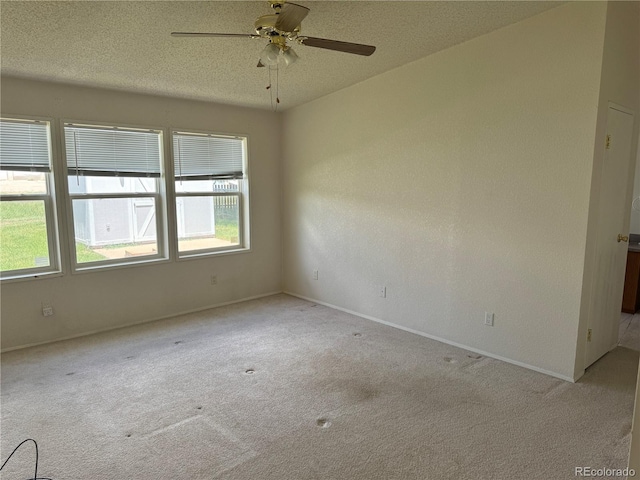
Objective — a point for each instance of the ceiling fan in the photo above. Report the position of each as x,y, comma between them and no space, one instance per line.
281,27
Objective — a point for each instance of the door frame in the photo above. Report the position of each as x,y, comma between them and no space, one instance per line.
626,215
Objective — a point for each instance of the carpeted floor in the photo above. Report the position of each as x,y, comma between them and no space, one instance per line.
629,331
283,389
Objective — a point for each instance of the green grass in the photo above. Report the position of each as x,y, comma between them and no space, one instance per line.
227,223
227,231
85,254
23,237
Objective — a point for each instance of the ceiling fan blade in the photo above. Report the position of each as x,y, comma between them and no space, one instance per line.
194,34
290,17
347,47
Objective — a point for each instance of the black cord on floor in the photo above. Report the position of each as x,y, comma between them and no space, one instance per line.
35,475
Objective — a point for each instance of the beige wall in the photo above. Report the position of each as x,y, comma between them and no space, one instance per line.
461,182
88,302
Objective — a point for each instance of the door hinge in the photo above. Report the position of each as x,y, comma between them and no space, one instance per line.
608,142
589,335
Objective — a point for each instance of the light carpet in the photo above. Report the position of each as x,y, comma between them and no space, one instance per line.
284,389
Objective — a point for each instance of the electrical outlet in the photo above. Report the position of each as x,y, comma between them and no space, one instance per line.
488,319
47,310
383,292
315,274
214,279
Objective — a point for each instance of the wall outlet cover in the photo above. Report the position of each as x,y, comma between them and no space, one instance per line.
488,319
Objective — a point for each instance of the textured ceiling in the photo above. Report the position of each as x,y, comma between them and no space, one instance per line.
126,45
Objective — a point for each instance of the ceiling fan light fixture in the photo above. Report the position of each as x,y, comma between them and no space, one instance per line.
269,55
289,57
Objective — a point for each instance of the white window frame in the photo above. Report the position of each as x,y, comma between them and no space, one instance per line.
50,209
242,194
159,196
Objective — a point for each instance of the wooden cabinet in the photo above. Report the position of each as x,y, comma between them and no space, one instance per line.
631,295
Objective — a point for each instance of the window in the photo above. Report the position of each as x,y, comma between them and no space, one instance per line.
210,176
28,234
115,193
115,197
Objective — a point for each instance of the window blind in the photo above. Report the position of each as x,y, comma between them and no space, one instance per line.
24,146
112,152
206,157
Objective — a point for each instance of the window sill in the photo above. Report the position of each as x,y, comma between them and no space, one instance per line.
199,255
80,269
26,277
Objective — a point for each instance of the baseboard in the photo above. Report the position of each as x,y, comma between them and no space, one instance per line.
438,339
132,324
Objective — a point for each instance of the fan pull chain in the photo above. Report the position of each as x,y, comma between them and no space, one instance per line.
269,88
274,108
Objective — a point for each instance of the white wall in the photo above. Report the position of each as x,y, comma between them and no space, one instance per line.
100,300
461,182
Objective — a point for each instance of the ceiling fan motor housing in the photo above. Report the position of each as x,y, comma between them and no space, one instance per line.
266,27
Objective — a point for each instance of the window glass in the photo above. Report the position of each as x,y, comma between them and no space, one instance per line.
22,183
113,179
211,191
186,186
23,235
28,234
114,228
207,222
119,185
